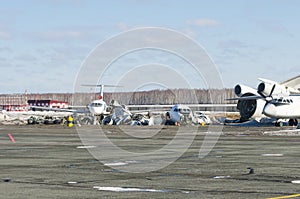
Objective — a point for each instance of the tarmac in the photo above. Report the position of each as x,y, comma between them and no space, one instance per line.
246,162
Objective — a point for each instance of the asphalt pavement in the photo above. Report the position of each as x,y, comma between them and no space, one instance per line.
148,162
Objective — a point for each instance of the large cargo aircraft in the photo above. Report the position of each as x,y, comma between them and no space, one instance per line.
270,99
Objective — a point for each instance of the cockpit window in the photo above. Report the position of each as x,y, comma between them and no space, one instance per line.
184,110
96,104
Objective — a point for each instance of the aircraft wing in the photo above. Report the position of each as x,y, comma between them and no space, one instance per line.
167,106
267,81
40,108
292,85
144,109
147,106
77,106
210,105
161,109
297,95
246,98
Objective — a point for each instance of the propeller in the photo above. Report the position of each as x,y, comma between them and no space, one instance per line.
269,97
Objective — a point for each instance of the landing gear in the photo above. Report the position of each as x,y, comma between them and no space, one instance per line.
86,121
279,124
293,122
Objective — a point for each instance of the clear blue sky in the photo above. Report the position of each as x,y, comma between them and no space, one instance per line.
43,43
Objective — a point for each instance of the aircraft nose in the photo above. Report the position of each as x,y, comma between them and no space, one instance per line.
270,110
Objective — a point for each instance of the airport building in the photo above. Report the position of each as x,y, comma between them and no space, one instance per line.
14,107
13,102
48,103
19,102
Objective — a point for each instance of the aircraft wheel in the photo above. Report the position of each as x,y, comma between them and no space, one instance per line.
168,117
293,122
279,124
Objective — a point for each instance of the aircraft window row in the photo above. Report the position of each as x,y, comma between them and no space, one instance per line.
285,100
182,110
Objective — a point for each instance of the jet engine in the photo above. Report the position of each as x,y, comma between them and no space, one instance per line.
249,109
266,88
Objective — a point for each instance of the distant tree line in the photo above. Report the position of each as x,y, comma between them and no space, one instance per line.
170,96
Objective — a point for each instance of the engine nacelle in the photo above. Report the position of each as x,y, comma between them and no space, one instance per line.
266,89
249,109
241,89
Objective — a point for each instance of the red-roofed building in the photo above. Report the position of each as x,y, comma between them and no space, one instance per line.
48,103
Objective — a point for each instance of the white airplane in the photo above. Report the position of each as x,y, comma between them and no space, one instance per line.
99,107
280,103
182,114
96,107
271,99
178,114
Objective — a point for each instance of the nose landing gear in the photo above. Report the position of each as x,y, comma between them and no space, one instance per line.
293,122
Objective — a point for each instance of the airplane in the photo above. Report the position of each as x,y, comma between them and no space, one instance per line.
113,113
271,99
178,114
117,114
96,107
182,114
283,105
99,107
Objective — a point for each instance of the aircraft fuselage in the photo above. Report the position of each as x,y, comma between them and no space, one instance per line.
283,108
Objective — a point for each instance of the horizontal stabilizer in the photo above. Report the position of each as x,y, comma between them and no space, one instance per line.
99,85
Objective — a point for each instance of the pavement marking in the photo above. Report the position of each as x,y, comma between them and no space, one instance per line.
85,147
221,177
11,138
127,189
288,196
72,182
272,154
116,164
